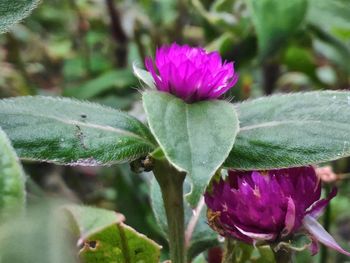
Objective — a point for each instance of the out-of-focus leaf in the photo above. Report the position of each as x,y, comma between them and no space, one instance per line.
292,130
241,252
40,236
110,80
222,5
104,238
331,16
300,59
223,43
12,189
199,259
332,48
12,12
220,19
332,30
195,138
71,132
202,237
275,21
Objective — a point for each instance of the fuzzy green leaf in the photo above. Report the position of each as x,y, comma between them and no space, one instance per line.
292,130
104,237
195,138
70,132
39,236
12,12
12,189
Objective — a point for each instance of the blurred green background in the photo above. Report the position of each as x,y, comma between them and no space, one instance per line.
85,49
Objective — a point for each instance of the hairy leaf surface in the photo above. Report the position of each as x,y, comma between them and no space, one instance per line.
71,132
195,138
292,130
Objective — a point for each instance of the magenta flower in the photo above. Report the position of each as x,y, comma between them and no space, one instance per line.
191,73
268,207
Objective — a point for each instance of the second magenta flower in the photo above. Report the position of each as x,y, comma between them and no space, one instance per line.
269,206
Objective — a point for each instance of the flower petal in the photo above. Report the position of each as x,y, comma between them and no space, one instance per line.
150,67
314,246
191,73
317,208
320,234
290,218
258,236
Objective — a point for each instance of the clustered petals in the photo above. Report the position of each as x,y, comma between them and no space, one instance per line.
269,206
191,73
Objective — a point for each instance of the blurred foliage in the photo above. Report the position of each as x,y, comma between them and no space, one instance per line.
85,49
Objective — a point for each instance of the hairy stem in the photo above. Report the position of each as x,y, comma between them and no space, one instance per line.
229,252
171,184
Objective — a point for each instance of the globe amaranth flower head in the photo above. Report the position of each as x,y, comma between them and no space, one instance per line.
269,206
191,73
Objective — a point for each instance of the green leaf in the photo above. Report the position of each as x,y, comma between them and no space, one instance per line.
70,132
104,237
292,130
116,79
202,236
195,138
332,31
144,76
40,236
332,48
241,252
335,16
275,21
223,19
12,189
12,12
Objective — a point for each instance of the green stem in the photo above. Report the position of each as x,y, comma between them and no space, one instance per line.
229,252
283,255
171,184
